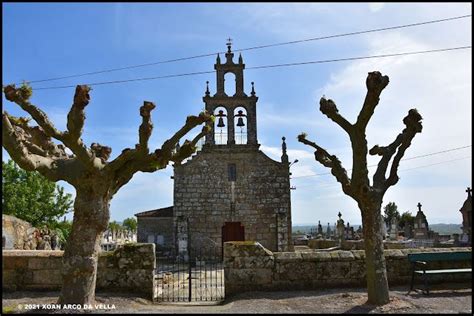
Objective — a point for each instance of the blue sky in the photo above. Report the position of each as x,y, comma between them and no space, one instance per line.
48,40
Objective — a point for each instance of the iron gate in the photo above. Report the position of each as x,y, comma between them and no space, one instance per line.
199,279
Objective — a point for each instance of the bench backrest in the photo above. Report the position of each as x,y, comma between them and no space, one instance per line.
440,256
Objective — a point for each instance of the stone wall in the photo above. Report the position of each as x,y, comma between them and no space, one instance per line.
251,267
15,232
259,198
130,268
156,226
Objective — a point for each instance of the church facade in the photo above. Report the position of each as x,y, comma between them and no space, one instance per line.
230,190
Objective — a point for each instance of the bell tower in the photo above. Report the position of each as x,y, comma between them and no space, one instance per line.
236,121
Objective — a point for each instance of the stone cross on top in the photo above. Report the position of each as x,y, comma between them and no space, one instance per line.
469,190
229,44
419,206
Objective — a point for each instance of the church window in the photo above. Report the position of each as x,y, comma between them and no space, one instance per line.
232,171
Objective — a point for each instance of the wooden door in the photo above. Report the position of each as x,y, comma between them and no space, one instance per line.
233,231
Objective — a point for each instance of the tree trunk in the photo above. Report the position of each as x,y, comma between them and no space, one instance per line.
377,284
91,217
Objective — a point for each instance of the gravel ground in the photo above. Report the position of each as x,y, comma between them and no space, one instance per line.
455,299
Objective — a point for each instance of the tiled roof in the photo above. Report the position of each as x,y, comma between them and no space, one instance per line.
161,212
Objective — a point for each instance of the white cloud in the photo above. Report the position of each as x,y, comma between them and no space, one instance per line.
376,6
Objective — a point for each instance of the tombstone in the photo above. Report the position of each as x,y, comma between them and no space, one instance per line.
320,228
456,243
340,229
393,229
328,232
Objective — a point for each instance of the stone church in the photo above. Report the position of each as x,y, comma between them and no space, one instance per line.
230,190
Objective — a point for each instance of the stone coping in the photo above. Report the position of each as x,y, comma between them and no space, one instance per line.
32,253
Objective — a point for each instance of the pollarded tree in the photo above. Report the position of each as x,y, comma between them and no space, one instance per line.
368,197
95,179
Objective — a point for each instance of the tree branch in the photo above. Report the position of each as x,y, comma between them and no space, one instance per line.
144,132
21,97
329,108
14,139
76,117
189,147
386,153
330,161
132,160
35,139
413,126
375,83
399,145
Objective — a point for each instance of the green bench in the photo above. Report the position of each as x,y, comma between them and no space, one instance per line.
420,265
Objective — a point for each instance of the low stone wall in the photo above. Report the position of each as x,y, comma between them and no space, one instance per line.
251,267
355,244
130,268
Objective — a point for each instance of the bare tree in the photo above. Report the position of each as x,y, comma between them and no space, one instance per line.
95,179
368,197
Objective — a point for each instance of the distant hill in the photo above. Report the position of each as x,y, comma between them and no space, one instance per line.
446,229
442,229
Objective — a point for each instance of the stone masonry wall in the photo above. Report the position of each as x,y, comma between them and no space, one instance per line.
15,232
155,226
261,195
130,268
250,267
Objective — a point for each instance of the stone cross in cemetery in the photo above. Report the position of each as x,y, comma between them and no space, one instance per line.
320,228
328,232
340,229
421,224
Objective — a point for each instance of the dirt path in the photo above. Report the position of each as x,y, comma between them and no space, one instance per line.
455,300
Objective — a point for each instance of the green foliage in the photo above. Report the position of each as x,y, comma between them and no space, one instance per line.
406,219
391,212
25,90
130,223
62,230
114,226
32,197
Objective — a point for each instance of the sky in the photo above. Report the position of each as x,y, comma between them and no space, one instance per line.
48,40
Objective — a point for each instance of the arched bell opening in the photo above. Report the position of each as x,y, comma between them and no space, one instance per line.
240,125
220,126
230,84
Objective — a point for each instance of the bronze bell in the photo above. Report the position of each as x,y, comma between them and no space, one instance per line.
240,120
220,122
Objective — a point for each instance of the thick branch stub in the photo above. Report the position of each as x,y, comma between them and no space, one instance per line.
145,129
102,152
329,108
375,83
76,116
